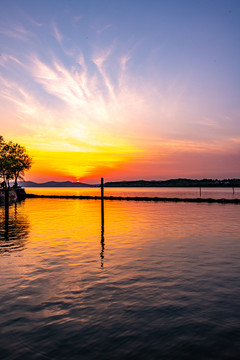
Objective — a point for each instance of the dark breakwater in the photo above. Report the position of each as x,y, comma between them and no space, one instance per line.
138,198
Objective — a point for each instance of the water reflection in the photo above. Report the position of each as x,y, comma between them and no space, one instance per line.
102,232
14,229
170,291
102,248
215,193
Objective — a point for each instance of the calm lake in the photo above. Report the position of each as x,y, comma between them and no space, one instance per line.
187,192
160,282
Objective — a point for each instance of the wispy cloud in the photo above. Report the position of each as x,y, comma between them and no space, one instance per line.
123,66
57,34
208,122
18,32
76,126
104,28
33,21
99,61
67,86
6,59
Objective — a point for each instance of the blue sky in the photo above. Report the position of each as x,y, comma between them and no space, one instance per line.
143,87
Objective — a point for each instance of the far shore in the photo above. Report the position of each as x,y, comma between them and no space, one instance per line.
181,182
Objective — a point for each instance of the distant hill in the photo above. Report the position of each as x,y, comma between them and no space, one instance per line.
181,182
176,183
53,184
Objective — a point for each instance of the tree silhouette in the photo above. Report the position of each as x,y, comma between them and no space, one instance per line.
14,160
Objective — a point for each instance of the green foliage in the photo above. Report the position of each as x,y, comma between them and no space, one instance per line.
14,160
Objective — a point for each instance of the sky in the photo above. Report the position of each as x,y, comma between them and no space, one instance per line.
122,89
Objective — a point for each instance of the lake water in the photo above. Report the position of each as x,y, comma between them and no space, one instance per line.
188,192
160,281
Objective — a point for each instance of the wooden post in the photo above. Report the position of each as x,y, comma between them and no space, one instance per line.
200,192
102,187
233,190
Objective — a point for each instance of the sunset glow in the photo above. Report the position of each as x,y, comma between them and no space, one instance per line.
122,90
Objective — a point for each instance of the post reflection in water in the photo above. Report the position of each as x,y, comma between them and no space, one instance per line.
14,229
102,232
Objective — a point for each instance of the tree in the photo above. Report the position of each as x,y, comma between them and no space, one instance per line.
5,171
14,160
20,161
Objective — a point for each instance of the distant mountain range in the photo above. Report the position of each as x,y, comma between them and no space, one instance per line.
53,184
182,182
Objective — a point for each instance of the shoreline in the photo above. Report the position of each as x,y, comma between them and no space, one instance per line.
136,198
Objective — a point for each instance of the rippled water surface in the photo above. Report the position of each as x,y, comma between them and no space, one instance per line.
181,192
159,281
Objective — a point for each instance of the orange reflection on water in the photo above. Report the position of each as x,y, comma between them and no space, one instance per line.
67,259
67,233
66,220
